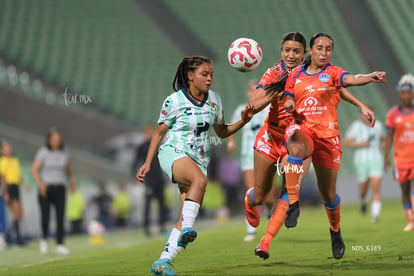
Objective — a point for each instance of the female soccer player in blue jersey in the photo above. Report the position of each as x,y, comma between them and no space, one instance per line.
186,118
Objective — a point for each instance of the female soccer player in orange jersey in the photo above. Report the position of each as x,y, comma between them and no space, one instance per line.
400,124
270,153
269,145
314,92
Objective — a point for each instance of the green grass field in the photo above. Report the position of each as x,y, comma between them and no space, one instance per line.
219,250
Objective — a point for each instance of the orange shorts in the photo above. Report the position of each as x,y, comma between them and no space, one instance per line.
403,172
326,152
271,146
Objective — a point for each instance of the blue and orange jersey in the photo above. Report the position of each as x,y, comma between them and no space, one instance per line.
403,126
317,97
278,119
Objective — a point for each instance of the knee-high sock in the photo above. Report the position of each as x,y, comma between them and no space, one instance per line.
190,212
294,173
375,208
171,249
408,212
333,211
278,218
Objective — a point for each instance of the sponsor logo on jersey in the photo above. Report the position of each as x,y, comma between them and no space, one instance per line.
324,77
309,89
311,101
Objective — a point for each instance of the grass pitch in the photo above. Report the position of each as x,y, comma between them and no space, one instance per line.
371,249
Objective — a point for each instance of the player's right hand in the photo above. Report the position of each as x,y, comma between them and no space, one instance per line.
142,172
290,105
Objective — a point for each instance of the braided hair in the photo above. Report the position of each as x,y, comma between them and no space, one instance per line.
187,64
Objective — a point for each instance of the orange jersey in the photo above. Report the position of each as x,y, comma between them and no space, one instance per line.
403,126
317,97
278,119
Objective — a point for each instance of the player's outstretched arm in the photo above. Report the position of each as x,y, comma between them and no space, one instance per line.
156,140
361,79
223,130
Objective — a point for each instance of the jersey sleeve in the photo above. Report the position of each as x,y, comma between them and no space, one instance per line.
169,111
339,74
352,131
389,122
40,155
268,77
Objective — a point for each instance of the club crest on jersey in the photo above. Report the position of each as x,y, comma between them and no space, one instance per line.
324,77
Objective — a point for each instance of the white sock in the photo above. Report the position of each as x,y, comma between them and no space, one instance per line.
171,249
250,229
190,212
376,208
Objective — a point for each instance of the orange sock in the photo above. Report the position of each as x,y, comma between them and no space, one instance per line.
294,173
277,220
334,213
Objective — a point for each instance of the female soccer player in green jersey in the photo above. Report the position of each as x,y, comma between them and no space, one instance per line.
186,118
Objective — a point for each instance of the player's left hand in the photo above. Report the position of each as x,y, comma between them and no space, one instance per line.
247,113
368,114
378,77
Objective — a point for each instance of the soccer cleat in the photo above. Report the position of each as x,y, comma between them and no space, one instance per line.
338,245
187,235
409,227
252,214
292,215
262,249
162,267
374,219
249,237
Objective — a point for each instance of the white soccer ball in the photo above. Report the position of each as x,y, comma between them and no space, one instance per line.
245,54
95,228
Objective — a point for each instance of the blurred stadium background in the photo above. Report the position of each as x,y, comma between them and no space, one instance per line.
123,56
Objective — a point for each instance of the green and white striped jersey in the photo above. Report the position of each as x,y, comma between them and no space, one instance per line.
250,129
190,123
360,132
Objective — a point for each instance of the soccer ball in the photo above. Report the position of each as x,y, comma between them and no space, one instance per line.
244,54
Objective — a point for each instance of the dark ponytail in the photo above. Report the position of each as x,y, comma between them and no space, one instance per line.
278,86
187,64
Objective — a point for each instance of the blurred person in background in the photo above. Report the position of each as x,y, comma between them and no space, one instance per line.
246,155
11,176
104,203
154,183
400,124
3,226
229,177
75,209
121,207
368,160
50,170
